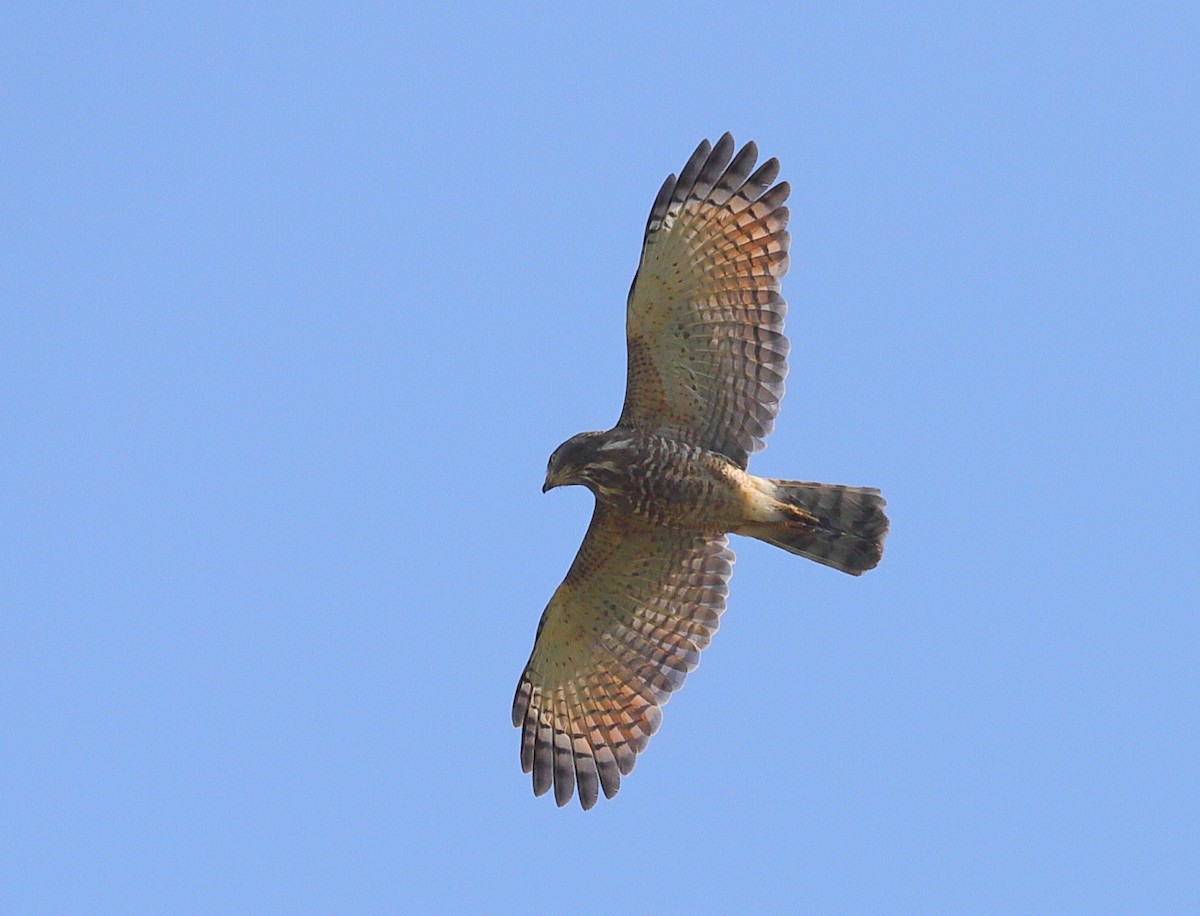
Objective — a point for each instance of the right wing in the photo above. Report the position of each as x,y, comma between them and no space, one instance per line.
619,635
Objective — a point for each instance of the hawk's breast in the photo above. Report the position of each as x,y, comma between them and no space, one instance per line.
670,483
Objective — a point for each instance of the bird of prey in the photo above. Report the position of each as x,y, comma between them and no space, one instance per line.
707,358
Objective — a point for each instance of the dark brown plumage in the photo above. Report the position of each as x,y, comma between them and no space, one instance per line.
707,360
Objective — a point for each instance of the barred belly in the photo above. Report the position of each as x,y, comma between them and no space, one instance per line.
673,483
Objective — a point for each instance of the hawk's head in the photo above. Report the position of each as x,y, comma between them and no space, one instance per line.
587,459
567,464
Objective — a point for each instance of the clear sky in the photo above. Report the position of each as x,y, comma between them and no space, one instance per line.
296,301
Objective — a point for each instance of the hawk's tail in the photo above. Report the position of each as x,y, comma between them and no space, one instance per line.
842,527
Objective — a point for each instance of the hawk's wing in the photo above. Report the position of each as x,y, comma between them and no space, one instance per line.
707,353
620,634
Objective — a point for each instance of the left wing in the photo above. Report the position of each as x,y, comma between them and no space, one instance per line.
704,322
619,635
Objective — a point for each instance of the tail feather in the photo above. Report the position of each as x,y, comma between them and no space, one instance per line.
841,527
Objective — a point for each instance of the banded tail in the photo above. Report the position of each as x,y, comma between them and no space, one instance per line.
836,526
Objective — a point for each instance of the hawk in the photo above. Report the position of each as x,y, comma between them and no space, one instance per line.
707,358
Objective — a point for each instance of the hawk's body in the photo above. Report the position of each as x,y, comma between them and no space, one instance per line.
665,481
707,359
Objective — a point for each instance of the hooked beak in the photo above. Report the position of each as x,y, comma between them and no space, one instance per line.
547,487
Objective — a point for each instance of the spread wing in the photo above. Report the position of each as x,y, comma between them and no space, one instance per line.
704,323
620,634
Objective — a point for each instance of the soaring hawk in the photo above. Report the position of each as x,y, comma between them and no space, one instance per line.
707,359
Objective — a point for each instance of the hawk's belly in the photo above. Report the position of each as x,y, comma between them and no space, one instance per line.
675,484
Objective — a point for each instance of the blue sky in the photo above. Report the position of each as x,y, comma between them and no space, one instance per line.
295,305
